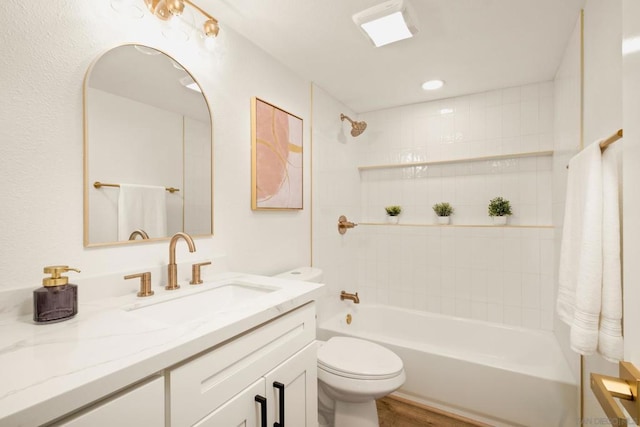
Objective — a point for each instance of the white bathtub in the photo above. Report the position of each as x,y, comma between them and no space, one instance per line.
501,374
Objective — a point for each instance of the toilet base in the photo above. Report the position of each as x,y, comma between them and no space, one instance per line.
356,414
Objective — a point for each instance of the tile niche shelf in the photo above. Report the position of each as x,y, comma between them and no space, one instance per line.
454,161
455,225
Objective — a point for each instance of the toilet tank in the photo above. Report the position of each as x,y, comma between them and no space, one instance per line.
307,274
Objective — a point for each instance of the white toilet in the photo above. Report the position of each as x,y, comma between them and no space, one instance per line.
352,373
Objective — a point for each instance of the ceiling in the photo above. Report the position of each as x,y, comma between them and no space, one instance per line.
473,45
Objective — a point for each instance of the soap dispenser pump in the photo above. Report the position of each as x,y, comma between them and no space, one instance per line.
57,300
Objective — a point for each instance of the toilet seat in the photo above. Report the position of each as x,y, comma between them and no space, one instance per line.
358,359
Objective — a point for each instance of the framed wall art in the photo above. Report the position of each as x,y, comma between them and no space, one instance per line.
276,157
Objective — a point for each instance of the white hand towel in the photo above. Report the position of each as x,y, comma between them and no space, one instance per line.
142,207
610,343
580,275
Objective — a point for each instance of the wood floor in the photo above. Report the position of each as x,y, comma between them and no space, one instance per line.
394,411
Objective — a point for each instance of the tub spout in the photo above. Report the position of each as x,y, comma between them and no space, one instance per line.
353,297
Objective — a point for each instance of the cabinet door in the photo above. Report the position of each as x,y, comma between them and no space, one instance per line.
242,410
205,383
299,376
142,406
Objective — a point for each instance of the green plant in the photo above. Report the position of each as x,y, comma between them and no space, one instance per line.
499,207
443,209
393,210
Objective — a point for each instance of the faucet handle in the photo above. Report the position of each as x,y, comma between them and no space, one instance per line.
195,273
145,283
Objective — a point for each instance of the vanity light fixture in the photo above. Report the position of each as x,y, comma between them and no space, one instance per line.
168,9
386,22
432,84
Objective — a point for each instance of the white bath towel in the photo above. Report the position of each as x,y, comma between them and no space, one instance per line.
610,344
580,273
142,207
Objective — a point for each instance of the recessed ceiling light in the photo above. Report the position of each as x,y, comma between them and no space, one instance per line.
432,85
386,23
445,111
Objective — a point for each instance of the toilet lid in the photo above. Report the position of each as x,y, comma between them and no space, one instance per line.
356,358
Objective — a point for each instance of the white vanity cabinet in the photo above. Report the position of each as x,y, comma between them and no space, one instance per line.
219,388
142,405
299,405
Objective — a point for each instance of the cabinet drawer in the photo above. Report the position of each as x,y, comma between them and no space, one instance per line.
141,406
203,384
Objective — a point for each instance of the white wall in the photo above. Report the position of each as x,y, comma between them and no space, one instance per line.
567,134
336,192
631,174
602,117
41,151
497,274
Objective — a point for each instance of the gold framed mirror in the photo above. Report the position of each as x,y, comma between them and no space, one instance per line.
148,149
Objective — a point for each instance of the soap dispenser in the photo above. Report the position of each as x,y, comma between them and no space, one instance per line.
57,300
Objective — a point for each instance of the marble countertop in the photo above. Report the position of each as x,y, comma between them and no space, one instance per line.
49,370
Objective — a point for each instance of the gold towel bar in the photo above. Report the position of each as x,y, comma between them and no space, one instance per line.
99,184
607,142
613,138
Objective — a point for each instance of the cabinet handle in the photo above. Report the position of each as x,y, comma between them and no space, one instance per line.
263,409
280,388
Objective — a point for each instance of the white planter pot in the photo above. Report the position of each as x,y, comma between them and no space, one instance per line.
393,219
444,220
499,220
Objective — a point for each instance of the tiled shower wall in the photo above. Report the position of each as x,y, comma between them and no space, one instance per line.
500,274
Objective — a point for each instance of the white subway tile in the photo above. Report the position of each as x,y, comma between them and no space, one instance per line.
531,318
434,304
494,313
448,306
512,288
463,283
512,315
511,95
530,260
531,290
479,310
448,282
462,308
530,117
494,122
530,92
511,120
479,287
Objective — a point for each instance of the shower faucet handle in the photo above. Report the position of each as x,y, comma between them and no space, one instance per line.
344,224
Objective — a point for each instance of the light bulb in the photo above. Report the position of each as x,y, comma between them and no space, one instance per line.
211,28
432,85
176,7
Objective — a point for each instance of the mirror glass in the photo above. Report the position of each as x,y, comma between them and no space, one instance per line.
148,149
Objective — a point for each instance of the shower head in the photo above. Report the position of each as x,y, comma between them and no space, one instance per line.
356,127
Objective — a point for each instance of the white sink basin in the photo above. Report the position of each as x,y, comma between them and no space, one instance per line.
194,305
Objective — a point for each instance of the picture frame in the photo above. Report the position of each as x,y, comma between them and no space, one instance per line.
276,158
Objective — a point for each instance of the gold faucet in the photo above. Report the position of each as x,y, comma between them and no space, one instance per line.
172,267
138,232
353,297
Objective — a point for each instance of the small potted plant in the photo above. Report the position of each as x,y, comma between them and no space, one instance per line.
392,213
499,209
444,211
